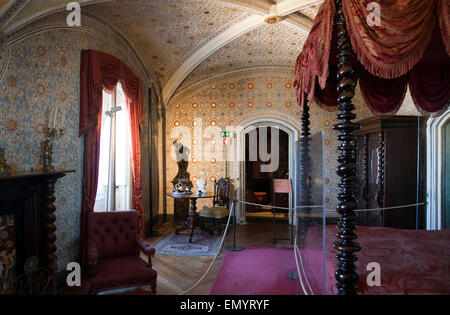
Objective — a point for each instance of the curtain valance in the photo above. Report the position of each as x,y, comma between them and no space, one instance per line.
410,46
100,70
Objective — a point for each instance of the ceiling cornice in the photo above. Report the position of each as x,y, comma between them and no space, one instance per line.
10,12
10,26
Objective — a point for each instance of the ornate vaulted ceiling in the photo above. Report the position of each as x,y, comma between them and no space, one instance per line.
185,41
270,45
4,4
166,33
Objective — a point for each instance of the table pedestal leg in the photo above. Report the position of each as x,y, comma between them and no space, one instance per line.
190,222
192,217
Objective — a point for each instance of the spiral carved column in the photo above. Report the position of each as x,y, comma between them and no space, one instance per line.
345,274
304,178
380,167
365,167
50,227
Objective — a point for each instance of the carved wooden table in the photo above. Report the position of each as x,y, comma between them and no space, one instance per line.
192,219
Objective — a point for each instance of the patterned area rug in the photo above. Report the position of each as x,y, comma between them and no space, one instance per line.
178,245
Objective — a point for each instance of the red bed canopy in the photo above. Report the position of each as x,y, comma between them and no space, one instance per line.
411,46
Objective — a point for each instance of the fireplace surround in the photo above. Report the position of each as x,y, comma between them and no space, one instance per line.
27,220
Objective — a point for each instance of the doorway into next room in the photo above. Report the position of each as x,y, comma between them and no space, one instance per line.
266,158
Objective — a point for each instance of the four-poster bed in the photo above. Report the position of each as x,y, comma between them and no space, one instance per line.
410,46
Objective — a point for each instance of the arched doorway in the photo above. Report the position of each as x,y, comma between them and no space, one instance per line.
246,169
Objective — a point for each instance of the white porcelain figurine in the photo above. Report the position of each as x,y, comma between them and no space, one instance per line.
201,183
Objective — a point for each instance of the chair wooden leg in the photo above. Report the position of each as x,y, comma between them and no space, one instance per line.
153,286
149,264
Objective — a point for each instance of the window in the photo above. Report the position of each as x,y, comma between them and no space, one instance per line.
114,178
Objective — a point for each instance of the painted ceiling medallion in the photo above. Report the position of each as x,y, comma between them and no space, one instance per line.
273,17
12,81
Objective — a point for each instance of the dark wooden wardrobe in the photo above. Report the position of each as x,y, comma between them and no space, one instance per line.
387,171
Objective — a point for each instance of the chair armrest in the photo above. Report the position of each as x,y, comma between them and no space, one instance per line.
92,257
145,248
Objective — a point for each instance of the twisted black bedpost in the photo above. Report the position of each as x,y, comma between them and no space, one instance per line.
346,275
304,176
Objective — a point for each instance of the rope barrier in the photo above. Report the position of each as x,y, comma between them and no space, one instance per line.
215,257
296,250
328,210
275,207
299,263
390,208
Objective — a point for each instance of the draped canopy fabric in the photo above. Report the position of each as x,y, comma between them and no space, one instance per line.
102,71
410,46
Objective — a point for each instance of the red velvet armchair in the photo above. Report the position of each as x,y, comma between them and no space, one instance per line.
114,247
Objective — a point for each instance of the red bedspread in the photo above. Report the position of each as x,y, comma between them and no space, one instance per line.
412,262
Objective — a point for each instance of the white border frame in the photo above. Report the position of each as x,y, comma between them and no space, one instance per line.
435,167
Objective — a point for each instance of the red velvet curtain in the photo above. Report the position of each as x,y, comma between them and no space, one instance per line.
410,47
391,49
100,70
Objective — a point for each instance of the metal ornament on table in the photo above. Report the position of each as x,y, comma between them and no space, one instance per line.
181,188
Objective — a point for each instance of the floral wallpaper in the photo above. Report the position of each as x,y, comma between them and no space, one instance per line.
43,74
231,101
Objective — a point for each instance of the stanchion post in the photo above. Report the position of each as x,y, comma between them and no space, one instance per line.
233,247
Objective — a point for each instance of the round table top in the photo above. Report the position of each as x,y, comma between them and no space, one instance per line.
194,195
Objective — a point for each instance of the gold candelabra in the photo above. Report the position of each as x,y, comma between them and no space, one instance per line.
46,152
5,169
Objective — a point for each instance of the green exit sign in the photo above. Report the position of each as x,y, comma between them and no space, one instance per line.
226,134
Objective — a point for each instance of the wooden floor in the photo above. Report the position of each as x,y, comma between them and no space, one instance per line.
178,273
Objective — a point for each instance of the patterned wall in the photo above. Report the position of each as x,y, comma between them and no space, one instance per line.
237,99
43,73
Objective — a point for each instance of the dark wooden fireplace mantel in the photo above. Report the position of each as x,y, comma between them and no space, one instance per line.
29,197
